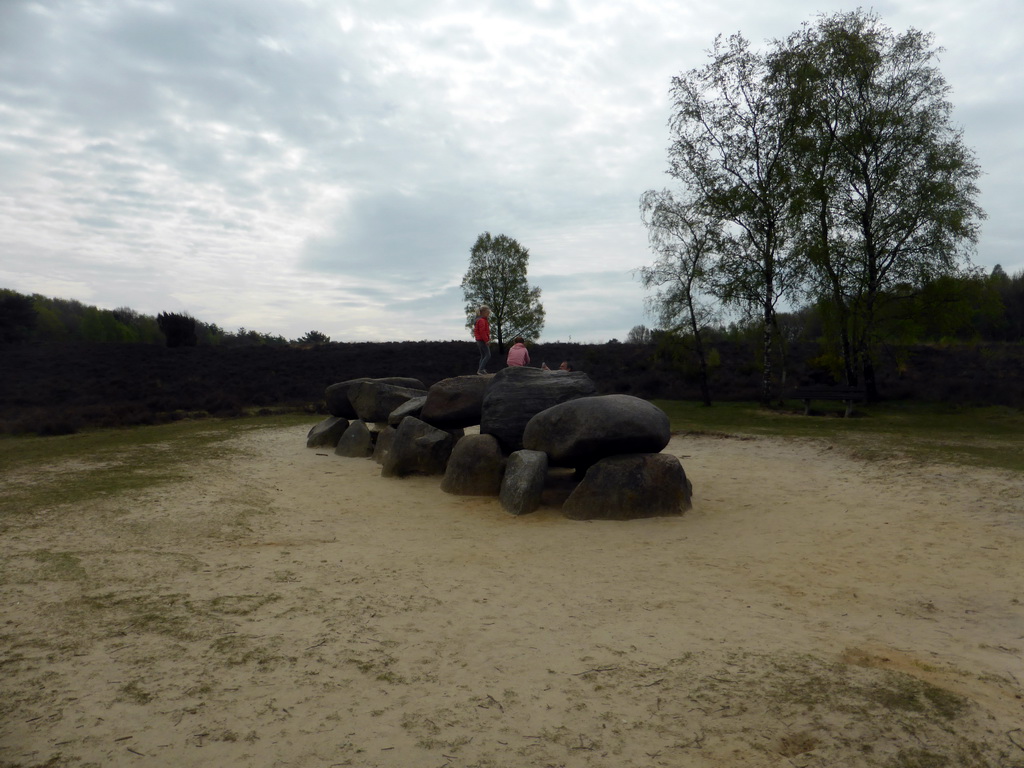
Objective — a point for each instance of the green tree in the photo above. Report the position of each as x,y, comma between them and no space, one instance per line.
50,328
18,316
732,150
1010,327
686,244
102,325
313,337
639,334
179,329
144,328
887,187
497,277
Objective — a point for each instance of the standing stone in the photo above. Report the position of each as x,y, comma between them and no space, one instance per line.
523,484
630,486
382,446
327,433
475,467
418,448
357,442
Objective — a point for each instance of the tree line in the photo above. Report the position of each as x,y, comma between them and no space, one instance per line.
825,172
42,319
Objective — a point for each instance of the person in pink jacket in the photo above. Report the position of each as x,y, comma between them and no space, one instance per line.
482,334
518,354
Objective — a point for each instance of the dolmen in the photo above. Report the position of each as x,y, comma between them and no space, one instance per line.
530,422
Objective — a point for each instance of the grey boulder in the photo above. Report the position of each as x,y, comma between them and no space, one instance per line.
523,484
475,467
455,403
336,395
580,432
629,487
418,448
373,401
356,442
411,407
517,394
382,446
327,433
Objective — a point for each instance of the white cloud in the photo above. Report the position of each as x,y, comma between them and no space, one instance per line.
329,164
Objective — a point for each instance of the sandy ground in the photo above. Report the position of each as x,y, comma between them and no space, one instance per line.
289,607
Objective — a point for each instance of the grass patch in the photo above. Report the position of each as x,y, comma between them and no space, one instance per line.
58,566
40,473
974,436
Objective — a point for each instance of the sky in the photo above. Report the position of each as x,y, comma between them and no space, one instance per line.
294,165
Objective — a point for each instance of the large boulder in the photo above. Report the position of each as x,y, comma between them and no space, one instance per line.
579,432
327,433
411,407
475,467
418,448
455,403
373,401
382,445
356,442
336,395
630,486
523,484
517,394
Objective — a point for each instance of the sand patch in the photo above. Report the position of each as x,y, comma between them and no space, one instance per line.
286,606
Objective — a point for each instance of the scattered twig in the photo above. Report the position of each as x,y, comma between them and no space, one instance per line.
583,745
140,754
316,645
1017,744
595,669
490,698
648,685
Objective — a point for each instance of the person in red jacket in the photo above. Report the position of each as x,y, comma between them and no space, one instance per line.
482,334
518,354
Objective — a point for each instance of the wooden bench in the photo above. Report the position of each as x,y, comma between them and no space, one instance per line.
848,395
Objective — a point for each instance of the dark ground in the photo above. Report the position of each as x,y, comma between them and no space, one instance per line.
58,389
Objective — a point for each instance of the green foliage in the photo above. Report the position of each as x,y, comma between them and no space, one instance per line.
833,167
639,334
178,329
102,326
246,337
497,278
143,328
686,240
986,437
53,320
732,149
18,316
1010,325
887,188
313,337
946,308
